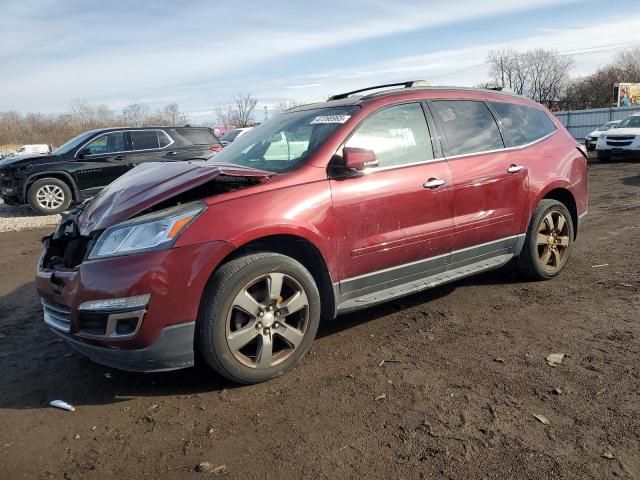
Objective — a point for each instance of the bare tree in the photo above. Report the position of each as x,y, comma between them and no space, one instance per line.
540,74
508,69
628,61
548,75
135,115
244,105
173,116
225,115
237,113
285,105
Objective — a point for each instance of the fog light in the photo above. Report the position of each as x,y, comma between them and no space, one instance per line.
109,304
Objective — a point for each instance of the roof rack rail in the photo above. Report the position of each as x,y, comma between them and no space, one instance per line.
412,83
501,89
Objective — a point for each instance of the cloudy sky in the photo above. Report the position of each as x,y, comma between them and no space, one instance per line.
200,53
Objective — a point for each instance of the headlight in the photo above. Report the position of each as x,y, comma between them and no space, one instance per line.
156,231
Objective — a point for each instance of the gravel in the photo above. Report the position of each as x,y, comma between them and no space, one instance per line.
15,219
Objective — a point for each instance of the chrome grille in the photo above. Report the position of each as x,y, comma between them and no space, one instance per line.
57,316
620,140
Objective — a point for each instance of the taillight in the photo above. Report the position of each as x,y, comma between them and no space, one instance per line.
215,148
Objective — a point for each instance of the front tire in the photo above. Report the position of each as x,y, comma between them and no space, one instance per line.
548,243
259,316
49,196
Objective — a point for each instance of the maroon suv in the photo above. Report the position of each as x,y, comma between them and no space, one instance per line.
324,209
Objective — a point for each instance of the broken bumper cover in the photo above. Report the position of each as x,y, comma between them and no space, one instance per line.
84,305
172,350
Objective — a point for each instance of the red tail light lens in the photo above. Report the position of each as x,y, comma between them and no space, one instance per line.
215,148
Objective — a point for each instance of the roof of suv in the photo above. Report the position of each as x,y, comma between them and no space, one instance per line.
347,99
147,127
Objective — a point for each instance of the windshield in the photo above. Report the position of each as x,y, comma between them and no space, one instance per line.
630,122
607,126
286,141
73,143
230,136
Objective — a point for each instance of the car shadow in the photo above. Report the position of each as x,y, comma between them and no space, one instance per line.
39,367
633,181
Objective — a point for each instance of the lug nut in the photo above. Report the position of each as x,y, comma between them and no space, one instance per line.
270,308
276,325
258,325
266,331
278,313
260,313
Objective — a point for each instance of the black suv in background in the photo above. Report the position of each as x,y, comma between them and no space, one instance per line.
80,168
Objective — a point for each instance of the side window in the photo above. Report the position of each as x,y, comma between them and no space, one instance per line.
398,135
163,138
109,143
524,124
144,139
468,125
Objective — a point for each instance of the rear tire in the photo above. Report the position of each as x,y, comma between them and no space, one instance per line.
49,196
548,243
259,316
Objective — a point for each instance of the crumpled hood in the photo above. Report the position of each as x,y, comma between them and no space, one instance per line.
14,161
149,184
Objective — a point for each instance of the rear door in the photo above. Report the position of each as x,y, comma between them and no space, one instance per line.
396,220
101,161
145,147
192,143
489,182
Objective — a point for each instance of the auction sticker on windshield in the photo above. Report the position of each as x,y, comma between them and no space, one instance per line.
330,119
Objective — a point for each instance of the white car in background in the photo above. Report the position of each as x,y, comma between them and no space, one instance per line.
591,139
622,141
231,135
34,149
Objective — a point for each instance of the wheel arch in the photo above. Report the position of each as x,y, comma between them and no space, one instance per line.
564,196
63,176
304,251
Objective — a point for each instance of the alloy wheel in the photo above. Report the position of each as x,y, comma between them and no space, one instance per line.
553,241
267,320
50,197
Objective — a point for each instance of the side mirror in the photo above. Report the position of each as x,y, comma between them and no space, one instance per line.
359,158
84,152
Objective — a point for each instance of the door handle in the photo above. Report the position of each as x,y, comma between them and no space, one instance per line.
119,157
434,183
515,168
171,153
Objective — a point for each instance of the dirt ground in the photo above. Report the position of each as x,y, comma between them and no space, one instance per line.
464,372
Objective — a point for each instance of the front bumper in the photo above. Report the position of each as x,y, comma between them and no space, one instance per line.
172,350
174,279
618,153
590,144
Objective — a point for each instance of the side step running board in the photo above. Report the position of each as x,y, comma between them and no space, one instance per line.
423,283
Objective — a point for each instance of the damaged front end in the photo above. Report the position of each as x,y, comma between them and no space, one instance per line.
66,248
136,197
112,285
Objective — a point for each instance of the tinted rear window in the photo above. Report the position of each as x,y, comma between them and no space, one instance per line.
469,126
524,124
198,136
144,139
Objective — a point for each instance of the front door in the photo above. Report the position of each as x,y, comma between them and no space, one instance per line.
101,161
489,183
396,220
